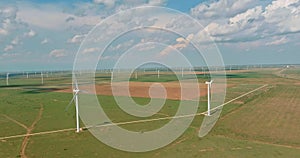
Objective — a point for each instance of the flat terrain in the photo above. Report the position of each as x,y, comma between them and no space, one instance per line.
265,123
141,89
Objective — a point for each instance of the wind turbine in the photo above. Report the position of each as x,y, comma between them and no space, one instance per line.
208,96
42,77
75,98
181,72
136,75
7,78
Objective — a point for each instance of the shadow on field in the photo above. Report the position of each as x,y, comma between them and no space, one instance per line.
19,86
41,90
242,75
103,77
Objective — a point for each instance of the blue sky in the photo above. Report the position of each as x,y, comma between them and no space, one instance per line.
45,35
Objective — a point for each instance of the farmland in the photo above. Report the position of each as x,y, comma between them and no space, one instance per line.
264,123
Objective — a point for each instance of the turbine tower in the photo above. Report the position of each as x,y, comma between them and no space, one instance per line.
208,96
75,98
42,77
7,78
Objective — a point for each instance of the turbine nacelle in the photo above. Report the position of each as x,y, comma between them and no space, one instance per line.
210,82
76,91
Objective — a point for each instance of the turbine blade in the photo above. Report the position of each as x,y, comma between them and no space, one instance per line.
70,103
75,83
83,91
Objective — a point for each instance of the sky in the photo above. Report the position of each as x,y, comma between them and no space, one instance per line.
46,34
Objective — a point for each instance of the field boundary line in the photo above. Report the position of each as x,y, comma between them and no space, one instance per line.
15,121
261,142
38,133
241,96
137,121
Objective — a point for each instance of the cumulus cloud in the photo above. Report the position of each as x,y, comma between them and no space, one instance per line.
181,43
235,21
76,39
58,53
108,3
157,2
54,18
45,41
285,15
122,46
31,33
7,19
15,41
3,32
70,19
222,8
280,41
90,50
8,48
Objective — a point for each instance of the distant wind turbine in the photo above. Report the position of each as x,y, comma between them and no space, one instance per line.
208,96
42,77
7,78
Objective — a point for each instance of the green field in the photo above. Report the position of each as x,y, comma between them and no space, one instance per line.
265,123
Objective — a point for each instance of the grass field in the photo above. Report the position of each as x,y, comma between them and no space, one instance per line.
265,123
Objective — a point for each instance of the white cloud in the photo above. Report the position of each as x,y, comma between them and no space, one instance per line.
108,3
285,15
236,24
10,54
45,41
58,53
31,33
123,46
7,19
181,43
146,47
53,17
280,41
90,50
8,12
222,8
15,41
157,2
3,32
70,19
77,39
246,17
8,48
235,21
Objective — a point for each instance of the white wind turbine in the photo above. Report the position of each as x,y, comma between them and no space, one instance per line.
136,75
7,78
42,77
181,72
208,96
75,99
